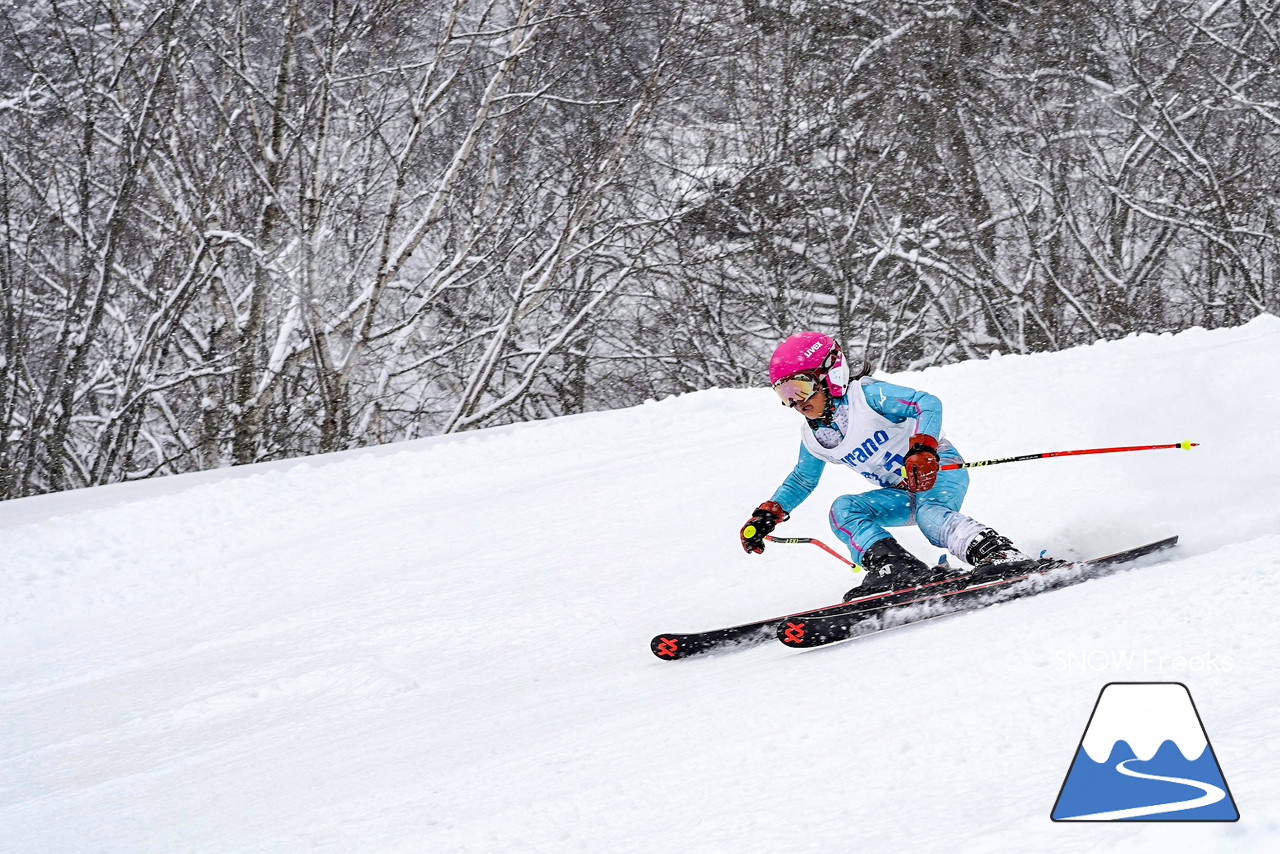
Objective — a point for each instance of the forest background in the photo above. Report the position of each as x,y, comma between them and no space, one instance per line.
244,230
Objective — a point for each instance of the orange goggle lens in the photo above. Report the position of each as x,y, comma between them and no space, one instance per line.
795,390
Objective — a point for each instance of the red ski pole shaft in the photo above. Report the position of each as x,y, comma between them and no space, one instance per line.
826,548
1186,446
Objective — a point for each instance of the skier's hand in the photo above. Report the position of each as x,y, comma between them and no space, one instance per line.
765,518
920,468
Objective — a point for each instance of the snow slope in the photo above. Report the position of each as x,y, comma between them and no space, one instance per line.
442,646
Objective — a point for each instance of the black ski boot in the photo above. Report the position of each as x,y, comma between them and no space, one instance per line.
989,547
990,550
889,567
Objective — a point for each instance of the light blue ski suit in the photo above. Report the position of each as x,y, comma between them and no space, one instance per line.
860,520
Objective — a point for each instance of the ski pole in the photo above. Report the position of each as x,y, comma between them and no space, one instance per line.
1186,446
826,548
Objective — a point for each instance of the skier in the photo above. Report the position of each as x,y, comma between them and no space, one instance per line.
893,437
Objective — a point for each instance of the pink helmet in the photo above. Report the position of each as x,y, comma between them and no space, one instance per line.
814,353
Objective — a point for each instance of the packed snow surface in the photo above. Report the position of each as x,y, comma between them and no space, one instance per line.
443,645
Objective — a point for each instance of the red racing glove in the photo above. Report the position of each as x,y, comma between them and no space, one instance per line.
763,521
920,468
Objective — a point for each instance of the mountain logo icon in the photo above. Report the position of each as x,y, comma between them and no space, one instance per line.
1145,756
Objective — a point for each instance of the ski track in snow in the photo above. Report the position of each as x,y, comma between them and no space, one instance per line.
442,645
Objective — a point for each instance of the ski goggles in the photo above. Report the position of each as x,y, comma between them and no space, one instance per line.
796,389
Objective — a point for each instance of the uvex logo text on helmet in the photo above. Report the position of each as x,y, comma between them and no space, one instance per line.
817,345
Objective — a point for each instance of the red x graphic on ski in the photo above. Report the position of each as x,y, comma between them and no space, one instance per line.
667,646
794,633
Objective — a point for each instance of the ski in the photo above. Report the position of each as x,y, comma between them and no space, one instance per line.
672,646
977,590
676,645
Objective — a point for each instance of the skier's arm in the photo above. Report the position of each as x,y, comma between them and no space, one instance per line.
802,481
898,403
796,488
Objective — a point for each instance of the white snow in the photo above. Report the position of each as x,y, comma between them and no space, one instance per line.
442,646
